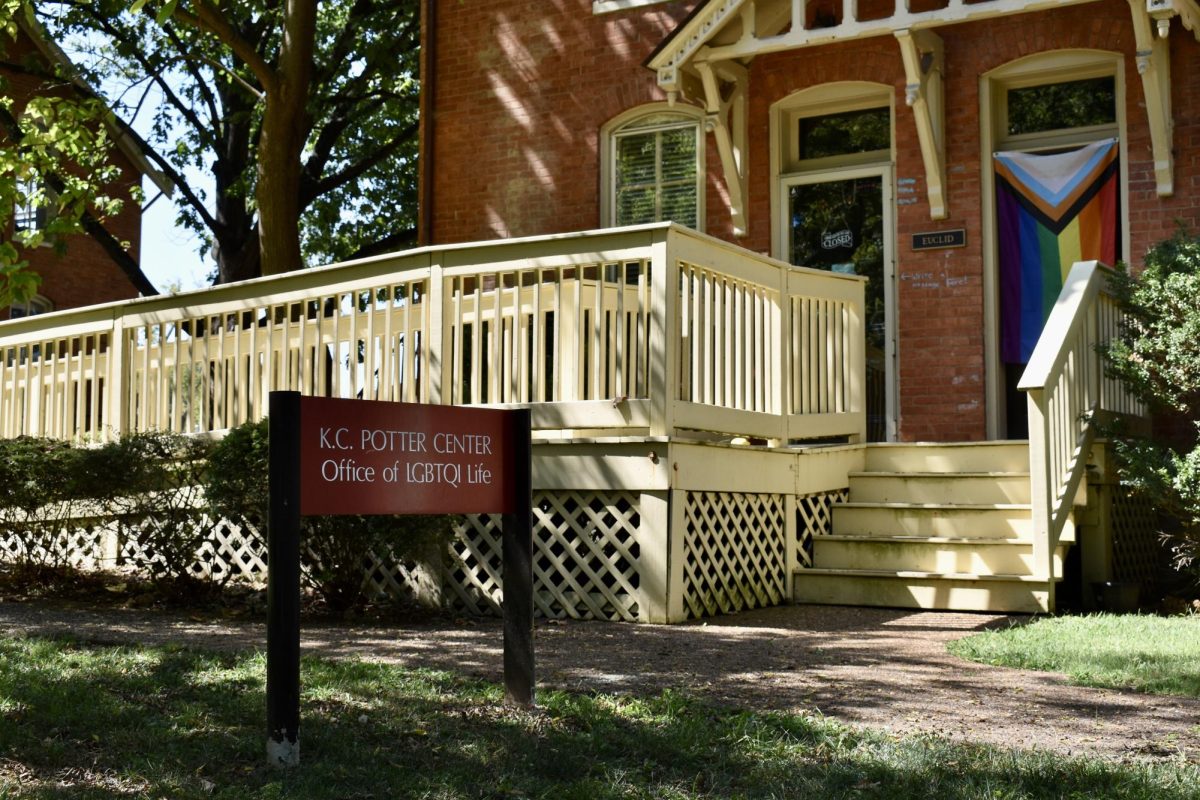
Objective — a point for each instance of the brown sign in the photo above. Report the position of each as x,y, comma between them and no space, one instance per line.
936,240
367,457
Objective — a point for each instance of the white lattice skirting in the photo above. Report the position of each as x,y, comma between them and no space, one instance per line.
588,555
814,517
585,561
735,548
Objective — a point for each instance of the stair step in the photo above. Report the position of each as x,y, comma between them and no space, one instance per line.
918,589
1008,456
976,521
973,488
942,555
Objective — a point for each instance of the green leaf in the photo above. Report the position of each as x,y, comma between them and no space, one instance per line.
166,11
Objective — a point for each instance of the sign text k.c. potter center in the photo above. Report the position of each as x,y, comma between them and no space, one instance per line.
364,457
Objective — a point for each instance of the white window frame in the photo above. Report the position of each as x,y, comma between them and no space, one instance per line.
788,169
688,115
1038,69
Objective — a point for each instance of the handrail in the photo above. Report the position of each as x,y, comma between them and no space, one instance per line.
652,329
1066,389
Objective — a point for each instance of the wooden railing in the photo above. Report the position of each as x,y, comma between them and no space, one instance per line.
1066,390
653,330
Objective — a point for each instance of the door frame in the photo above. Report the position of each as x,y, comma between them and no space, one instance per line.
1035,69
884,171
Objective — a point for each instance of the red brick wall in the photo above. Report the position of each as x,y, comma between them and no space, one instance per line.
521,100
84,274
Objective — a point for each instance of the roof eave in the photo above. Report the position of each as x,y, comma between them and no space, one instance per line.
128,141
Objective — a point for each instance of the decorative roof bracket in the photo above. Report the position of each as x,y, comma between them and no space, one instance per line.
1188,12
725,119
923,58
1154,65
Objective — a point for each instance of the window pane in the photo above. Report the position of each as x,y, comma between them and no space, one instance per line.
838,225
635,206
656,173
679,154
843,134
679,203
635,159
1073,104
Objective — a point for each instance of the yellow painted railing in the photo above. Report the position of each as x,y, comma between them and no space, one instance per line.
1066,389
653,330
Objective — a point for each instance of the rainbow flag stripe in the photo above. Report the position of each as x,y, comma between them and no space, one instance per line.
1052,210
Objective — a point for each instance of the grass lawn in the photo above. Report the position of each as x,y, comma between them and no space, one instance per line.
78,720
1130,651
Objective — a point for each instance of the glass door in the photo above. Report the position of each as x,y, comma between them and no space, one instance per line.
842,222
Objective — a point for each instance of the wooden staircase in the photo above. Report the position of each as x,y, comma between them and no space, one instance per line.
944,526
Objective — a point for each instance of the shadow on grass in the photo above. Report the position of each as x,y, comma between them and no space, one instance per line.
94,721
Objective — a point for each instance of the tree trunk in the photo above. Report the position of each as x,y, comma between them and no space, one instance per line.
284,129
278,191
236,234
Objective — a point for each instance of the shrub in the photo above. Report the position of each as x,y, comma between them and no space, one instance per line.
38,500
151,483
1158,358
336,552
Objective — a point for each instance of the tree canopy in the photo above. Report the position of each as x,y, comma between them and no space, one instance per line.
304,113
55,165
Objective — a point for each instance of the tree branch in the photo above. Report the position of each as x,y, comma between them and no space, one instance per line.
209,18
358,169
399,239
155,74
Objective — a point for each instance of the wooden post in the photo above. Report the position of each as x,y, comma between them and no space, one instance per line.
517,551
283,582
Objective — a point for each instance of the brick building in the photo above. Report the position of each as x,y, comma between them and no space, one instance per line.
86,272
854,136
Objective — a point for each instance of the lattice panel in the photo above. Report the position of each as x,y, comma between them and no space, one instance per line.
1138,553
586,555
227,553
232,553
11,549
81,547
388,577
734,552
474,574
585,562
814,517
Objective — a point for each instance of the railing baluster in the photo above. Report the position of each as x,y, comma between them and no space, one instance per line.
579,325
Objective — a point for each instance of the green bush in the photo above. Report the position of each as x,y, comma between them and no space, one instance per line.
336,552
152,484
39,499
1158,359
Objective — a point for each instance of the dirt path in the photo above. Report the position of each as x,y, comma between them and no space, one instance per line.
878,668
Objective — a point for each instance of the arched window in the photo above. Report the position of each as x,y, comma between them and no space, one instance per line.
35,305
654,167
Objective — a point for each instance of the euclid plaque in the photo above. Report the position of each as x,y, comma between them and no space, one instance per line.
936,240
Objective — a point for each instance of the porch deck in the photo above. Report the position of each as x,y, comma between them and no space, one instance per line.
647,356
